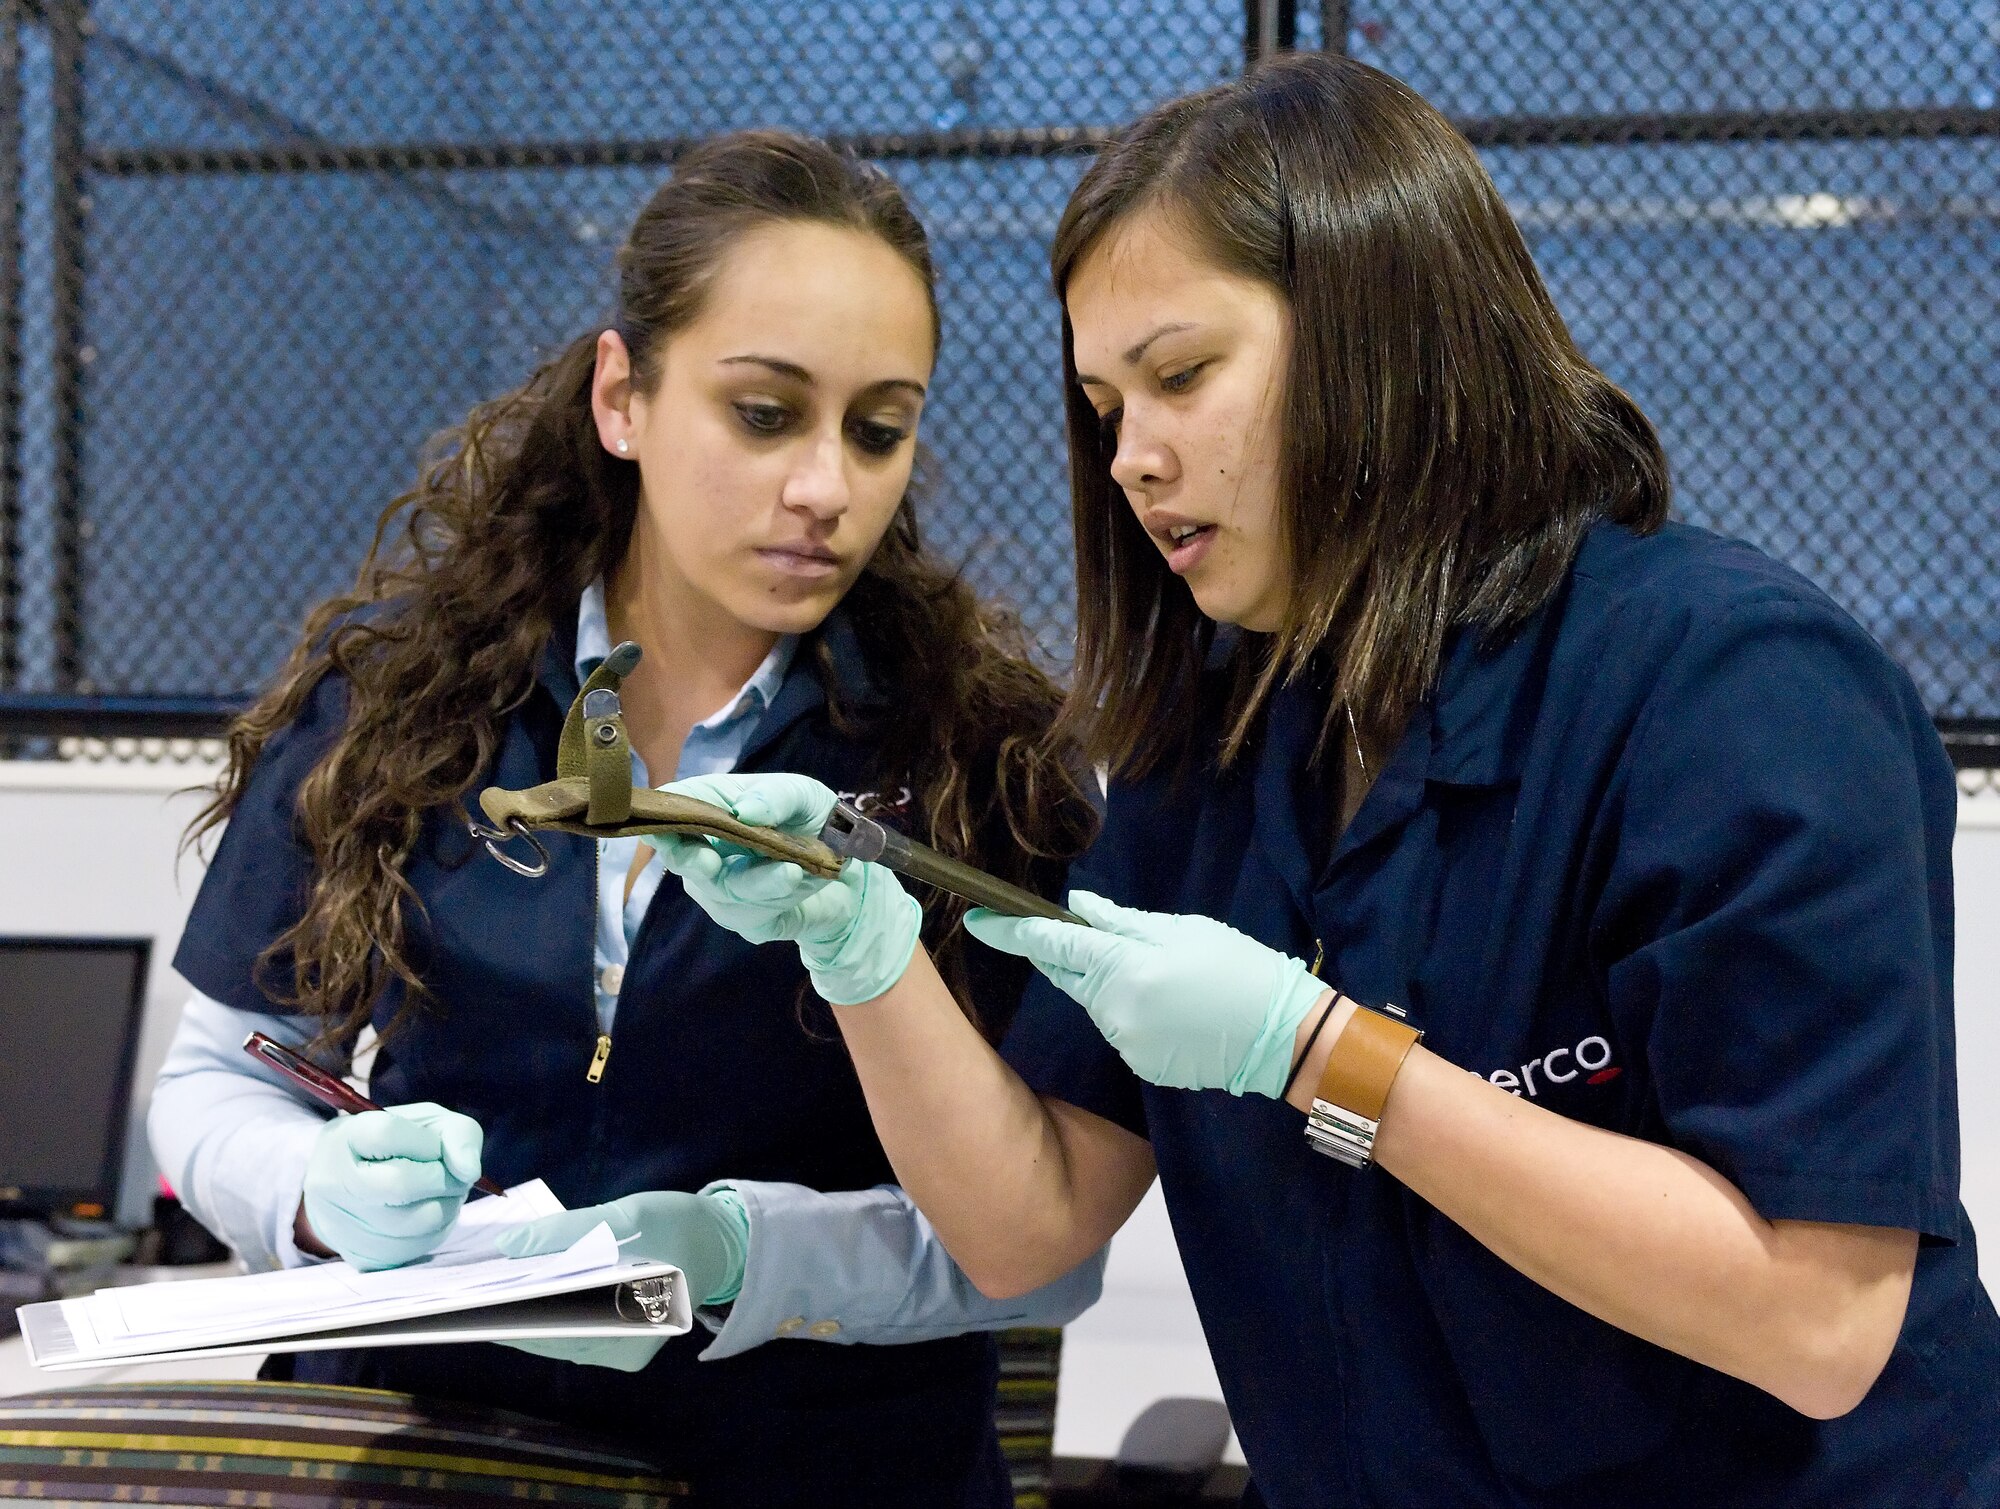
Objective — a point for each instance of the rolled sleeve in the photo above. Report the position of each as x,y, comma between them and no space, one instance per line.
865,1266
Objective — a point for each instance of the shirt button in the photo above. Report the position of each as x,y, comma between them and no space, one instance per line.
823,1328
611,978
786,1327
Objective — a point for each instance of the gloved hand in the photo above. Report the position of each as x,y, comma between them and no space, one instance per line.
383,1187
856,934
1187,1001
706,1236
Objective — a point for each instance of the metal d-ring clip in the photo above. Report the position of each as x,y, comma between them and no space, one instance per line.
515,829
653,1296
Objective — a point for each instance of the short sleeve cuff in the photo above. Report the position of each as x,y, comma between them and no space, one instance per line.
223,976
1931,1210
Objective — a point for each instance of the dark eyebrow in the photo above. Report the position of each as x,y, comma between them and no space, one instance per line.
804,378
792,370
1132,357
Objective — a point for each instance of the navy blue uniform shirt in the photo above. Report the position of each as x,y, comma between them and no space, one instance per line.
713,1074
1674,860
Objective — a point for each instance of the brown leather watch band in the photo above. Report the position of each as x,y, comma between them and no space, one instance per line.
1364,1062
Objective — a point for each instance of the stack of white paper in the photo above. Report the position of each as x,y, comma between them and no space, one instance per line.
463,1291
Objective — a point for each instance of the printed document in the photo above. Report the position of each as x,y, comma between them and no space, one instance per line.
464,1290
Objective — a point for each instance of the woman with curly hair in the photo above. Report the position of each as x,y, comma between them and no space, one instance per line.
721,475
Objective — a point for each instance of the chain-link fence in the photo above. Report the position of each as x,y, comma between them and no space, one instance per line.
255,254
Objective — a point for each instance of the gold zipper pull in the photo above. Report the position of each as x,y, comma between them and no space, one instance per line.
1319,955
599,1058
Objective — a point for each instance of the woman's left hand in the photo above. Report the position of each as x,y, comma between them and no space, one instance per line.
705,1235
1187,1001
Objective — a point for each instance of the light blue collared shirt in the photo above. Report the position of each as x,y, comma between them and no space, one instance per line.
713,747
849,1266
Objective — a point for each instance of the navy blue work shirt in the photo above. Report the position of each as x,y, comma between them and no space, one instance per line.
1675,861
714,1073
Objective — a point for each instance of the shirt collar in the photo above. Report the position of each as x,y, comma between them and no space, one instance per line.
593,644
1490,690
1474,730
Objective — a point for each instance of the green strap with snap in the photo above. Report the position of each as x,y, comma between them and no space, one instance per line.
594,744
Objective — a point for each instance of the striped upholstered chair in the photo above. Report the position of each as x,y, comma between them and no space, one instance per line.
305,1446
302,1446
1027,1411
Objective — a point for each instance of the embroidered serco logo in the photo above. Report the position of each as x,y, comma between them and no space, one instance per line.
1589,1060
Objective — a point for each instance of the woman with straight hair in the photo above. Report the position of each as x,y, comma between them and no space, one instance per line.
1520,935
723,476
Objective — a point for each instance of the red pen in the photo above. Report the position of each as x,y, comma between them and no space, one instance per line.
327,1089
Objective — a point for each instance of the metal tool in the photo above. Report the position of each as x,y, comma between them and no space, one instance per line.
852,834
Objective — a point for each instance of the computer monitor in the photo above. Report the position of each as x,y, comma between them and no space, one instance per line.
69,1033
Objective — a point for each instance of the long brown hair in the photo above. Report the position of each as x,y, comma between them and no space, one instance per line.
517,510
1445,446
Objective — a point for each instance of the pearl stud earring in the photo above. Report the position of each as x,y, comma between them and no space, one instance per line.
624,446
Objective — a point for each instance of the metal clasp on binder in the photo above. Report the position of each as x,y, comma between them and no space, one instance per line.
653,1298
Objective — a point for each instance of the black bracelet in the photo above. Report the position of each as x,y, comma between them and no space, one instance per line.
1307,1051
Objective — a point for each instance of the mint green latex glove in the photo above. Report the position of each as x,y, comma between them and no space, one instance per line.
1187,1001
383,1187
856,934
706,1236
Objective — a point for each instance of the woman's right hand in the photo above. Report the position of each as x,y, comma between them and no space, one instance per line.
856,933
383,1187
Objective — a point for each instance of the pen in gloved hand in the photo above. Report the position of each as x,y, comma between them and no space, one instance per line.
327,1089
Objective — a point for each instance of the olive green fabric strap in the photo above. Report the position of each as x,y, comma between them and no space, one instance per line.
573,753
593,795
564,804
608,755
594,744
